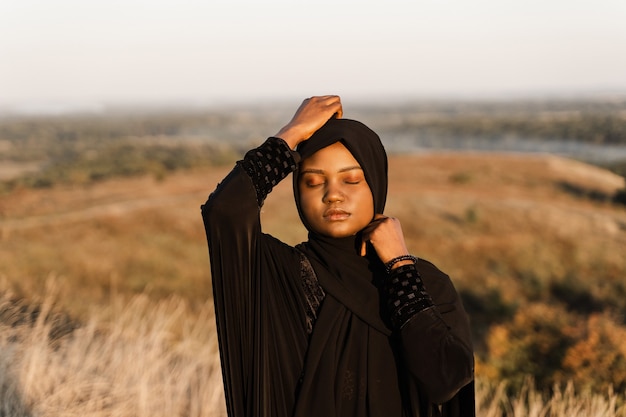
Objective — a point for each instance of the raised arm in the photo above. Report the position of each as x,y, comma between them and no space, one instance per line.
234,205
246,298
231,214
236,243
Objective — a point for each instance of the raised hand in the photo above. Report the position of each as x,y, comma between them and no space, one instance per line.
312,114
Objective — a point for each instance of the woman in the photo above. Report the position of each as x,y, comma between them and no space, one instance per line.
346,323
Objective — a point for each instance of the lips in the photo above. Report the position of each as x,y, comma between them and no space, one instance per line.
335,214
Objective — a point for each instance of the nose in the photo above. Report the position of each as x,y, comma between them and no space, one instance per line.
333,194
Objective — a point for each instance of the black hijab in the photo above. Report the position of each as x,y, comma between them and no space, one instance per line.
351,275
351,362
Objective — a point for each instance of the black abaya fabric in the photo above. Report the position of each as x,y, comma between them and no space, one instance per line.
353,363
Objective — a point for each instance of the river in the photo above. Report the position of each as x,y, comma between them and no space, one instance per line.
592,153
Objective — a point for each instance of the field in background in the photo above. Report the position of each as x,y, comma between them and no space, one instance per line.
105,286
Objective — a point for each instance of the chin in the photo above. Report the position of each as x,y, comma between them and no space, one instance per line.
338,233
336,229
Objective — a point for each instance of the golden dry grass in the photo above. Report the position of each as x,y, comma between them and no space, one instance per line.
140,358
133,358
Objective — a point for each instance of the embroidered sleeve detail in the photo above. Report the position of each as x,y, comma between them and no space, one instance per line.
313,292
267,165
406,295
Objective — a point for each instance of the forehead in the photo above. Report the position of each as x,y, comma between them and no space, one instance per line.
332,157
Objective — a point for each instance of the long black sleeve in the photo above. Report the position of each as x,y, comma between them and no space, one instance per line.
257,290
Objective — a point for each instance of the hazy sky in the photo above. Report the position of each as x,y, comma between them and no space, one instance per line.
68,52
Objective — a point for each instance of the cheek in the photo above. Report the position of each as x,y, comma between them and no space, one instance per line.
366,202
304,196
306,203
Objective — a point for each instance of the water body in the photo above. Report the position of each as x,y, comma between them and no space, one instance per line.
592,153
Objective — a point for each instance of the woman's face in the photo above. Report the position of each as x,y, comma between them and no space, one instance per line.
335,199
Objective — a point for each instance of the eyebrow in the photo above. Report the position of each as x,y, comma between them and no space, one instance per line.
322,172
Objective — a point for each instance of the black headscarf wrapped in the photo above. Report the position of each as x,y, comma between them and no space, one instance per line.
351,366
351,275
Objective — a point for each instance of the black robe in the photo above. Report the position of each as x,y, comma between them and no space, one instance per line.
273,365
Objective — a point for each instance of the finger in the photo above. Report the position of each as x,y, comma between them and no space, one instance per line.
334,105
328,99
363,248
378,219
339,109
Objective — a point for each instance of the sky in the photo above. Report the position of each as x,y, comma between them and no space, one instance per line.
68,53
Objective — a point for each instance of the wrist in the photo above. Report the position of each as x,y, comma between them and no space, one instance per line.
291,136
399,261
406,295
402,263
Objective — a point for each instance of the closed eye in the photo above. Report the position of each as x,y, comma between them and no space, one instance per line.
313,180
311,184
353,179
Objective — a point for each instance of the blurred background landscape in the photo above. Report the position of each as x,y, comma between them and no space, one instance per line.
505,125
522,203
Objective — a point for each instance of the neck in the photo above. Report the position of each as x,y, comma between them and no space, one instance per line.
343,244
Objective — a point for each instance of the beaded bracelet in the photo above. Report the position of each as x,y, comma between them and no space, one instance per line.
397,259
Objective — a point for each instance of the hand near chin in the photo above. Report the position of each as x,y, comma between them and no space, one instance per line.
385,235
312,114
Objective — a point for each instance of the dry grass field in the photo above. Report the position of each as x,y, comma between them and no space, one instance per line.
105,299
